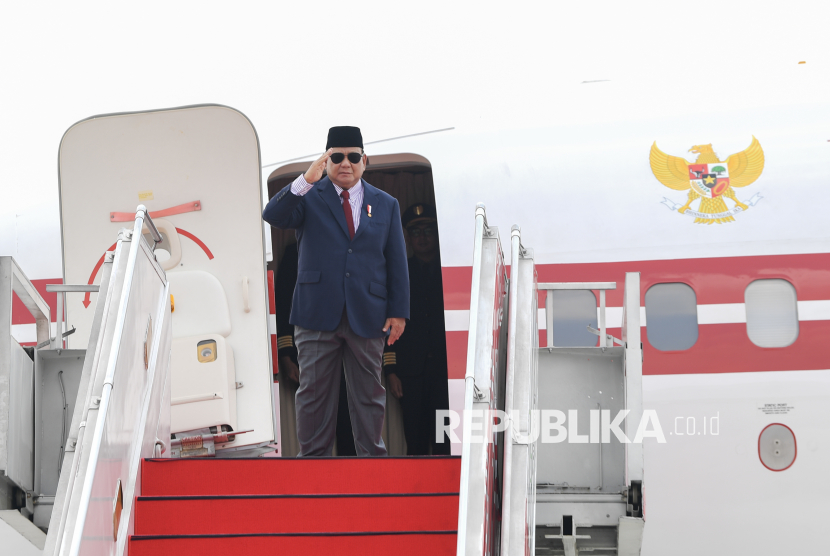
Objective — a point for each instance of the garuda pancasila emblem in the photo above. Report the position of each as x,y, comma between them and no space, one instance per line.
709,179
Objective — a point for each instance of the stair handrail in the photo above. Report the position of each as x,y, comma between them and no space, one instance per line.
481,457
469,375
75,438
14,279
86,493
512,315
521,400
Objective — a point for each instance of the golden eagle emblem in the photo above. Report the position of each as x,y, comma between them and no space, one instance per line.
709,179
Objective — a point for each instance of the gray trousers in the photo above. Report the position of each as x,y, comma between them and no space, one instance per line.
321,355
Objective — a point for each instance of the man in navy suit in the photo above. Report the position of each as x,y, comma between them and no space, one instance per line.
352,290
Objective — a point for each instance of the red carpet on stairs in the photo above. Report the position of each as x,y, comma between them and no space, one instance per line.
308,506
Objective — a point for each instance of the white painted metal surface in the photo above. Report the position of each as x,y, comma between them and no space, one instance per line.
58,374
203,393
633,375
203,160
127,405
19,536
63,501
20,442
477,527
518,523
17,383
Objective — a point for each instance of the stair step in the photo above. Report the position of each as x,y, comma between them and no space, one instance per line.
204,515
434,543
209,476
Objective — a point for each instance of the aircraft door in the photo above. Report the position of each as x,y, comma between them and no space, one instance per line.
197,170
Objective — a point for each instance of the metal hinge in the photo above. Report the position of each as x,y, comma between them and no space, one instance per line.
480,395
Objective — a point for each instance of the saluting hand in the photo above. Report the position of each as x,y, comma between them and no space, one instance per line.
315,171
397,325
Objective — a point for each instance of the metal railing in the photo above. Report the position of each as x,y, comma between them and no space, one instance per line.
86,494
17,381
12,278
521,401
469,375
121,420
479,489
62,290
71,460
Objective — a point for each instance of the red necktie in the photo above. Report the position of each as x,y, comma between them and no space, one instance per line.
347,210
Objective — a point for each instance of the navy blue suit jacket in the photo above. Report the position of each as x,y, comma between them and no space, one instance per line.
367,275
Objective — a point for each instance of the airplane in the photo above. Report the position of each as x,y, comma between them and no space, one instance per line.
732,300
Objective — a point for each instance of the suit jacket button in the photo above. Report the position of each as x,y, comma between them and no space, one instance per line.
347,275
350,250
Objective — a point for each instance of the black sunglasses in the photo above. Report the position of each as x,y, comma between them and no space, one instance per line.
354,158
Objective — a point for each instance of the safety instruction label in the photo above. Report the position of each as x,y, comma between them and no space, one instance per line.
775,408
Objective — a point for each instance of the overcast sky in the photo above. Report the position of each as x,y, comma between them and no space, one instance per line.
392,68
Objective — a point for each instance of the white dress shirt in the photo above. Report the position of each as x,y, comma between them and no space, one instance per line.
300,187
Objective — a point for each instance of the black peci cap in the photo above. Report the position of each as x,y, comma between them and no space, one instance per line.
344,136
417,213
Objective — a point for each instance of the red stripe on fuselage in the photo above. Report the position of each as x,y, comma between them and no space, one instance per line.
717,280
726,348
720,348
457,354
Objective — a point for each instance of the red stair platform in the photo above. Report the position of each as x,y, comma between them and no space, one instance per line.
311,506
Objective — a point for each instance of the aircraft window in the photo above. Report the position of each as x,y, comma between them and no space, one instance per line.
771,313
671,316
573,311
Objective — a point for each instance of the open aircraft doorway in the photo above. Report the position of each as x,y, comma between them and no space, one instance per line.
408,178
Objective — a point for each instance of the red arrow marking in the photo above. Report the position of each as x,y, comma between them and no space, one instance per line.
95,272
198,242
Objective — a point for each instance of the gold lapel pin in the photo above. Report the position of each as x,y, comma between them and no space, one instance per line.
369,210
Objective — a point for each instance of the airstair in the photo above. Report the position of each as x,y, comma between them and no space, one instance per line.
524,489
90,447
512,491
125,488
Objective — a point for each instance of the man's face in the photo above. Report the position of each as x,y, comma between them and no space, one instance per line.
346,174
423,237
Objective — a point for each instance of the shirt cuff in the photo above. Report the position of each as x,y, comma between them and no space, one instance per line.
300,187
